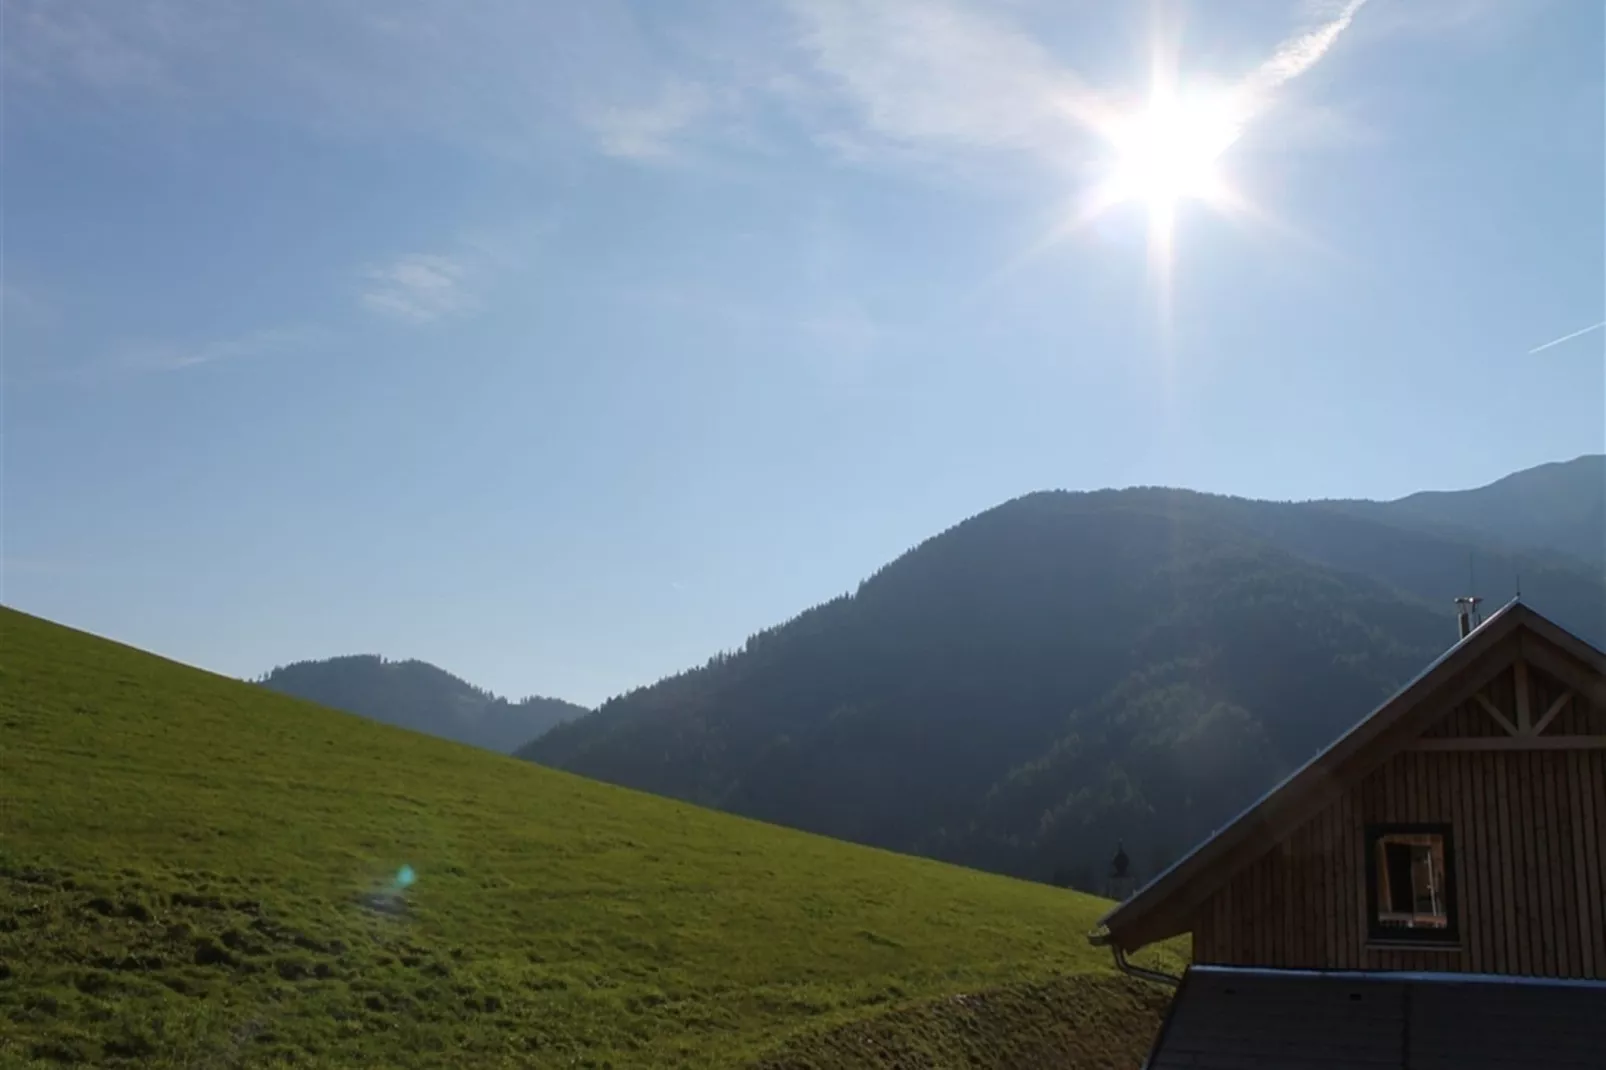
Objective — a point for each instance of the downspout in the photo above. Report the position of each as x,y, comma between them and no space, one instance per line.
1101,937
1140,972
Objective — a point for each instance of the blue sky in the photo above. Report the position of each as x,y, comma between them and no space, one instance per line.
565,344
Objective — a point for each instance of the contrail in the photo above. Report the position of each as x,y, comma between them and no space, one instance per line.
1567,337
1293,58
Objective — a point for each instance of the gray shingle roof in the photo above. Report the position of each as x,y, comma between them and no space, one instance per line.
1227,1018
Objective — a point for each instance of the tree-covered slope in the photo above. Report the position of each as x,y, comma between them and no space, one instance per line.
417,695
1558,507
196,872
1059,672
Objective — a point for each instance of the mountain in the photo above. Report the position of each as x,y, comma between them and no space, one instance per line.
1560,507
417,695
196,872
1065,671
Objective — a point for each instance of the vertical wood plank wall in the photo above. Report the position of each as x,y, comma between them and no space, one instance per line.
1528,831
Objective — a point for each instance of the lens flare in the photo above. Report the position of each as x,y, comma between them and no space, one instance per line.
405,877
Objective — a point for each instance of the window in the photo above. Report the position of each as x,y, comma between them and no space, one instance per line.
1410,893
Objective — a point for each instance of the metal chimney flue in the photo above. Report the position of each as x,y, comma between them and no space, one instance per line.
1467,614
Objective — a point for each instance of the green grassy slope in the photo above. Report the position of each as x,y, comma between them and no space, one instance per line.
195,872
1074,1022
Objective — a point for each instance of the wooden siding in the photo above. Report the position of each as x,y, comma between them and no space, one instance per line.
1469,720
1528,837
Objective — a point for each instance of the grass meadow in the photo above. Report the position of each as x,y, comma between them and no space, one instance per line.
198,873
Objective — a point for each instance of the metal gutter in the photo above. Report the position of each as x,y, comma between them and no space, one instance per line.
1450,977
1141,973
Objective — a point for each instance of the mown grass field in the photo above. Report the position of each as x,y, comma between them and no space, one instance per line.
196,872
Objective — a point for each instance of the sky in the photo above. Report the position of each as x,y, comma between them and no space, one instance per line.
564,345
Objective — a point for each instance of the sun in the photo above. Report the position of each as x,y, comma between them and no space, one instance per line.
1169,151
1164,153
1157,151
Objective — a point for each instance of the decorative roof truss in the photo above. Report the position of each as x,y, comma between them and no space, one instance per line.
1523,725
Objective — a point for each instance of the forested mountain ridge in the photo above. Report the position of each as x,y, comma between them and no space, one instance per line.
1559,507
1064,670
417,695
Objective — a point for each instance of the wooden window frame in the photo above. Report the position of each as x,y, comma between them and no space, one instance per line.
1386,935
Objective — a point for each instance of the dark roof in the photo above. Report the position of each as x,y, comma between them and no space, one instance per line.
1226,1018
1160,909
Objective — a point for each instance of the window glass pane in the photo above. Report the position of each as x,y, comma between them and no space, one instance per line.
1398,859
1410,876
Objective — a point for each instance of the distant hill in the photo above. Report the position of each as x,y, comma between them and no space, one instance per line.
417,695
195,872
1558,507
1067,670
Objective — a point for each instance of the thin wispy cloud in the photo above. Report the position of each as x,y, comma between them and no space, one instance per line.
48,43
1567,337
505,77
1292,58
930,71
158,357
518,80
650,131
946,73
1299,54
419,288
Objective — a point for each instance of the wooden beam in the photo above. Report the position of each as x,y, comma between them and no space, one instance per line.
1524,718
1492,711
1500,743
1589,685
1550,714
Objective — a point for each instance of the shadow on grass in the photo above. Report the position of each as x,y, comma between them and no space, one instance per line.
1080,1022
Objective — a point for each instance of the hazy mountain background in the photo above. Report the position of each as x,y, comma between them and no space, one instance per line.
417,695
1069,669
1560,507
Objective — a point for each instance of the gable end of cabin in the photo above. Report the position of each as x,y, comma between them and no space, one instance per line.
1478,847
1459,829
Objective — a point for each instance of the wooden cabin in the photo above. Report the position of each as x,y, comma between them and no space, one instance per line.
1435,870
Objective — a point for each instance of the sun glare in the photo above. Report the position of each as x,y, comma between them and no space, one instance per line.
1156,153
1169,152
1165,153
